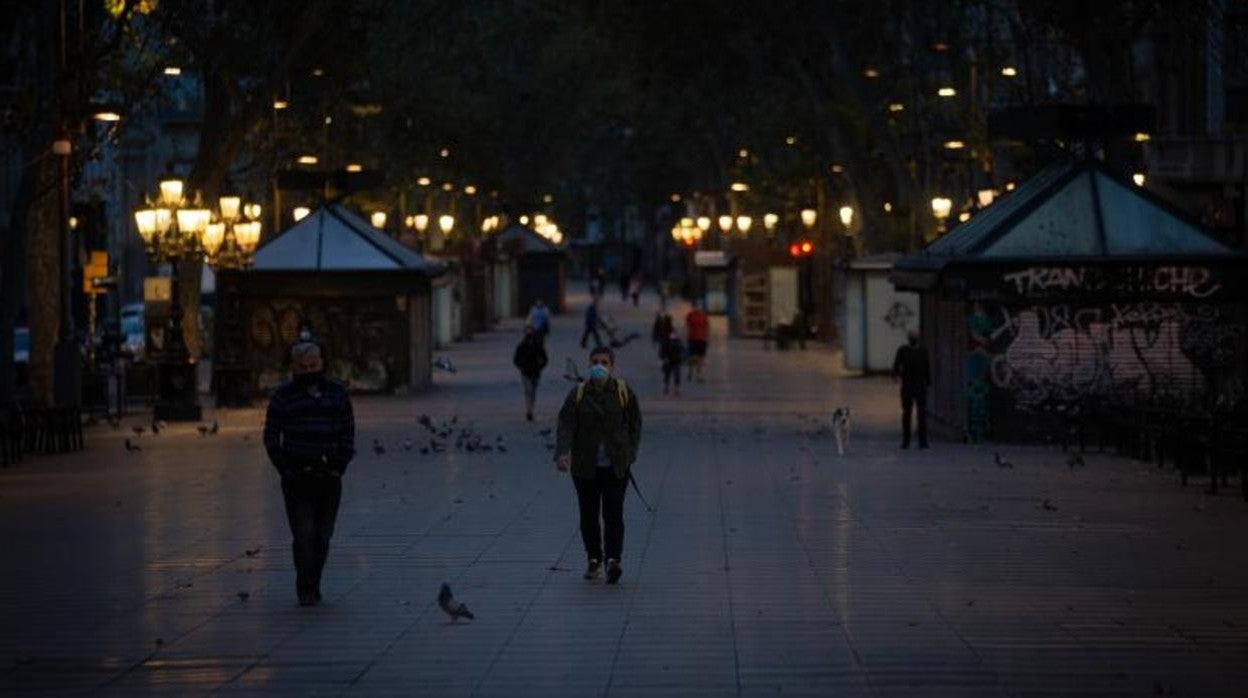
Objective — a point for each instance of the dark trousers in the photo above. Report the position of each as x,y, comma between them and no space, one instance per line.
311,508
586,333
913,400
603,493
671,373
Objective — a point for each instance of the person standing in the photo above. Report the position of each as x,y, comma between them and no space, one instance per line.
913,366
591,322
598,436
309,434
634,288
672,354
530,358
539,319
697,330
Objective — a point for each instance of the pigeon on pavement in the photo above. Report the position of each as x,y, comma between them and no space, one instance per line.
1074,460
445,364
214,428
138,429
451,607
378,448
132,446
1001,462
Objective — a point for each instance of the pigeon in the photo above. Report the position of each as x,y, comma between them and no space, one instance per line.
214,428
378,448
251,552
130,446
451,607
1047,505
1001,462
425,422
138,429
445,364
202,429
158,426
1074,460
407,444
454,418
424,451
545,432
114,422
244,595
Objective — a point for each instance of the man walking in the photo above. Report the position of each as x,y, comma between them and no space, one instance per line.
914,368
697,330
539,319
591,321
530,358
309,433
599,432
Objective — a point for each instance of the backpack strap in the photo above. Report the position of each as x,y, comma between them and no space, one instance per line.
620,386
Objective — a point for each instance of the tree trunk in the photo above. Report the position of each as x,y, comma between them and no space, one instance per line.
44,289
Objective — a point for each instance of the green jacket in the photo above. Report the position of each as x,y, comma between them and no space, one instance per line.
600,418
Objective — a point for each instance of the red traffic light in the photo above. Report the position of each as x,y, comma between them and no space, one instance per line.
794,250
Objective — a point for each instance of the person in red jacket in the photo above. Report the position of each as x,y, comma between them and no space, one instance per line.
697,330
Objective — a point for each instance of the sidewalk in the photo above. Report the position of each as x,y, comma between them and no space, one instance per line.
771,566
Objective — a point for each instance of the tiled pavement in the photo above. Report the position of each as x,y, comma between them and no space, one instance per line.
771,567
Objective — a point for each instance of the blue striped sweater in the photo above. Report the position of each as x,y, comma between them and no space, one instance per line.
304,430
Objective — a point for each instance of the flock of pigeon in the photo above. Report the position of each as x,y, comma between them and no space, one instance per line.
157,426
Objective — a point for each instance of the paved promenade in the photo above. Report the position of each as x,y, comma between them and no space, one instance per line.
772,567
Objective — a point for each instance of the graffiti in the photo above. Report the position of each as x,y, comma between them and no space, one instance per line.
1054,355
898,316
1191,282
978,380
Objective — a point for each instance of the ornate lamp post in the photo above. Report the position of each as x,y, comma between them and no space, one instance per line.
171,230
229,241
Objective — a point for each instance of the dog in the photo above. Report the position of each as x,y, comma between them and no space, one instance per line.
841,426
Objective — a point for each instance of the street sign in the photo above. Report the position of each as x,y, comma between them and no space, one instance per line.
95,268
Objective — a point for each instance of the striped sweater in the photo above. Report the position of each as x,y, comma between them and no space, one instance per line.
304,430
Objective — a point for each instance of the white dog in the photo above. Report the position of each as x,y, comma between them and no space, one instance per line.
841,426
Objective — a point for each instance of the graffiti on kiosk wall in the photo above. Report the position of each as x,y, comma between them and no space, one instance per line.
361,339
898,316
1049,356
1178,281
979,375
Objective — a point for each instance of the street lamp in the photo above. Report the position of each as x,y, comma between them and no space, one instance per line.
847,217
808,217
446,222
300,213
378,219
704,223
172,230
229,241
744,223
421,221
769,222
941,207
725,224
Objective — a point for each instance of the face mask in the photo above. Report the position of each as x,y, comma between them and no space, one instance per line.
308,380
598,372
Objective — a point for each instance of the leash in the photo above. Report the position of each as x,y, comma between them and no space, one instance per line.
638,491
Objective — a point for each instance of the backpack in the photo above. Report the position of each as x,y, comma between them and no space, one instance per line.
620,386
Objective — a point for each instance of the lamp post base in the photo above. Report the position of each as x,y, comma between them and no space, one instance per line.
176,388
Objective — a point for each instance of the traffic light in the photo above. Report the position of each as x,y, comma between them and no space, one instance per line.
805,248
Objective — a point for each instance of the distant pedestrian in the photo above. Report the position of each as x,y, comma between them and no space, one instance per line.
539,319
634,288
591,322
660,330
309,434
672,354
598,283
913,366
697,330
530,358
599,433
624,284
